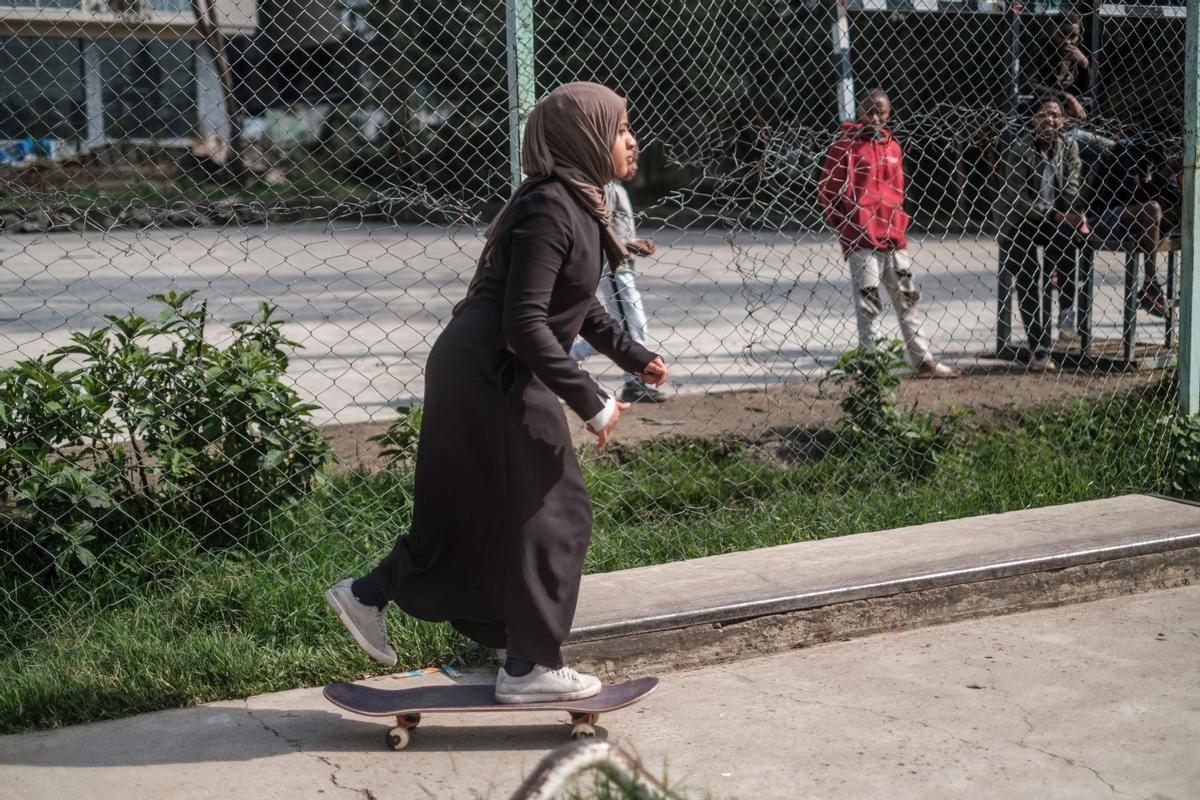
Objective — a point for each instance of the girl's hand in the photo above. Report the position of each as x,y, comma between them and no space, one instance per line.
641,247
655,373
602,435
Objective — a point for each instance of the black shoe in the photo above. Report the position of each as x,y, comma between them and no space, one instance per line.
638,392
1153,299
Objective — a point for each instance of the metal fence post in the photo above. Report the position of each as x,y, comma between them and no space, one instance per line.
841,53
1189,292
522,90
1012,14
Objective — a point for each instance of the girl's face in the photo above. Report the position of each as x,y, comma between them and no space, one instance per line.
624,150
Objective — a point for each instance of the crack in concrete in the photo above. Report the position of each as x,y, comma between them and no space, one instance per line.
1025,720
1075,764
298,747
1025,713
365,793
894,718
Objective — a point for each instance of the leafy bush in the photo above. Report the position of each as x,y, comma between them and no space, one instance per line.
875,427
153,425
1185,450
398,444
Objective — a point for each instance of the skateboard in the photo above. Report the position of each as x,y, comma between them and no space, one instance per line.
407,705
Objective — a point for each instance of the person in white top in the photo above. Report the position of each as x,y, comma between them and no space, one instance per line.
619,290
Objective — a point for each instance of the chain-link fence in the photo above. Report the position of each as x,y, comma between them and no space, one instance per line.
970,307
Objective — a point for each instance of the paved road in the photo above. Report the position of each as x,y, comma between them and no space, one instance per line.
366,301
1083,701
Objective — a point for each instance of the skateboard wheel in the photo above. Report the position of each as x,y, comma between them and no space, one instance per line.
397,738
582,730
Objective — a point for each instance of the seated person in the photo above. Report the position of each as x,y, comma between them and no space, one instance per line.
1166,188
1055,67
1125,214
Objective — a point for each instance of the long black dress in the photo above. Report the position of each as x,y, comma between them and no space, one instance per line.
501,517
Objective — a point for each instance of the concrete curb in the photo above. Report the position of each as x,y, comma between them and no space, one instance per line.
1053,556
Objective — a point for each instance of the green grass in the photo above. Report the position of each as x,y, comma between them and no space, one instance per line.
171,626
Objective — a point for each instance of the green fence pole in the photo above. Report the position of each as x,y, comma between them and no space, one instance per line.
1189,292
522,92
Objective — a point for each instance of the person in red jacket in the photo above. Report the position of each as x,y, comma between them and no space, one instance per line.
862,194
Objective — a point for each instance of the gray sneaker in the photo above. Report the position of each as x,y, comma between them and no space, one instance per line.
364,622
545,685
637,392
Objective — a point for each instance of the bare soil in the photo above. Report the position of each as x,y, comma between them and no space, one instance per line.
991,392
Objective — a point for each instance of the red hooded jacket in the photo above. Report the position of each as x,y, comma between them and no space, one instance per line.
862,190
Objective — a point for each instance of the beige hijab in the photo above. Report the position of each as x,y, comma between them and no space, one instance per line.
569,135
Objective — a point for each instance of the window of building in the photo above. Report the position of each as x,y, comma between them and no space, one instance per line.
39,3
180,6
41,89
149,88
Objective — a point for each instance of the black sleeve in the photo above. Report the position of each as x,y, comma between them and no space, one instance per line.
605,334
541,244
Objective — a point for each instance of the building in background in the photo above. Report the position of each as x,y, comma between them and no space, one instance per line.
87,72
306,52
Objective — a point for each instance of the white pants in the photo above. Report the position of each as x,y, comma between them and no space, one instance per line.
867,269
624,303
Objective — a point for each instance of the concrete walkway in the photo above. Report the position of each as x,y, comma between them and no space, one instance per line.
367,301
1084,701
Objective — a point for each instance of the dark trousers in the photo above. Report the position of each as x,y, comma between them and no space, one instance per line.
374,588
1031,274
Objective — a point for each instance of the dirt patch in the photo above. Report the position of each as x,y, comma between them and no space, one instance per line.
992,392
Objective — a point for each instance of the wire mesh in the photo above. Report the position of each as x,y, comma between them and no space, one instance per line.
169,166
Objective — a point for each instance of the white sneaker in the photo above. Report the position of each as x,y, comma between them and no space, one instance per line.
1043,363
1068,326
544,685
364,622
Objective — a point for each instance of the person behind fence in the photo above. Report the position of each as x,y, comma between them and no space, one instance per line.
1166,189
1054,66
1125,213
861,191
620,292
1040,206
501,518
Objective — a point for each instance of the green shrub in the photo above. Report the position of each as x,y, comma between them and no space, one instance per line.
875,428
153,427
398,444
1185,451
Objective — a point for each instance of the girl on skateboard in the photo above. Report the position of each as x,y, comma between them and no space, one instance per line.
501,517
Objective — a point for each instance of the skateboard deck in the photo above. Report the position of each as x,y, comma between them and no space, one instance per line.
407,705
